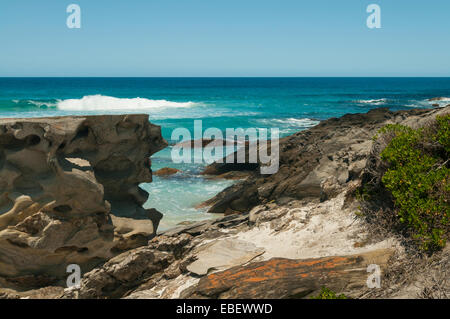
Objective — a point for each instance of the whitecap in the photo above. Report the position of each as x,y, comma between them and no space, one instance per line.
441,102
372,101
291,122
101,102
427,103
41,103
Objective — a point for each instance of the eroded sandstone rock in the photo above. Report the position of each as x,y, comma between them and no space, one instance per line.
60,178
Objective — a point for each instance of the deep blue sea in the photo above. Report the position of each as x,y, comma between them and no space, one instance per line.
290,104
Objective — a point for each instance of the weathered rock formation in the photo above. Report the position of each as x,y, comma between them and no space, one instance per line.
317,163
60,178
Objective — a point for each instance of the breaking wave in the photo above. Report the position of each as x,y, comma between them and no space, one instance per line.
105,103
291,122
373,102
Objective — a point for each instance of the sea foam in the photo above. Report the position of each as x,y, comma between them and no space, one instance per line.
373,101
101,102
291,122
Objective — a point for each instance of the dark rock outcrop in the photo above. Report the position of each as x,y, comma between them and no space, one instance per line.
314,164
60,178
229,168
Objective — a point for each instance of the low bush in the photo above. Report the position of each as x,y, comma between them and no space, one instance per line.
418,178
326,293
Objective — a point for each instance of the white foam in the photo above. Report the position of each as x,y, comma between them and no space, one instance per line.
41,104
306,122
292,122
101,102
441,99
418,104
374,101
441,102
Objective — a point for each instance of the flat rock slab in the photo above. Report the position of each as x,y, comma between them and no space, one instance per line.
198,228
223,254
129,226
289,278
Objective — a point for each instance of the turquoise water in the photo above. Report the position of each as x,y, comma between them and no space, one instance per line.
290,104
176,196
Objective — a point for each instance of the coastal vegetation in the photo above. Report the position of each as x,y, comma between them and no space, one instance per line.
418,179
326,293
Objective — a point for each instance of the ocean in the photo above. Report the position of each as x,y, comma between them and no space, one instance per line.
290,104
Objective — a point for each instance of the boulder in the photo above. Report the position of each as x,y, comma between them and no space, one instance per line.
229,167
131,233
166,171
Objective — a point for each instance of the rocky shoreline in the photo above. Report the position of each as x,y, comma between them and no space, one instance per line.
283,236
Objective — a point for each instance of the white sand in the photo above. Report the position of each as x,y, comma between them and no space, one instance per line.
315,230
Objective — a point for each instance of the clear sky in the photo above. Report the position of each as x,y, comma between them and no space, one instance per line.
225,38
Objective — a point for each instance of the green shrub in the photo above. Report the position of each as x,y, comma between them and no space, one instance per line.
419,180
326,293
443,133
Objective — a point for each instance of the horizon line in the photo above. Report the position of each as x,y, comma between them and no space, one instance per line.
215,77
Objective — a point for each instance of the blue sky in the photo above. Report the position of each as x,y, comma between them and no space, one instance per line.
224,38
